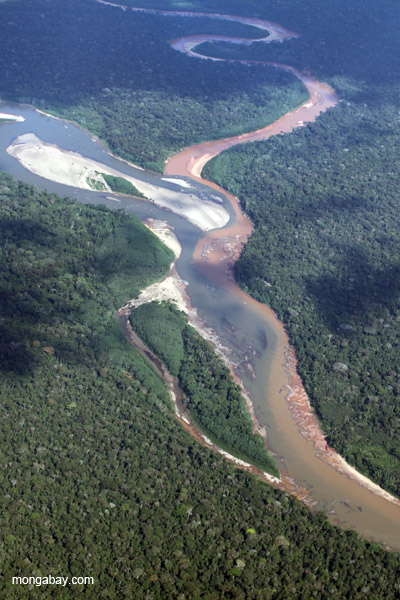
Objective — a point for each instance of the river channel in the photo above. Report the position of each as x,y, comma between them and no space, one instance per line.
256,340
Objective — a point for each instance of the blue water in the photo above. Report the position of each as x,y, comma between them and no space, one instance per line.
234,324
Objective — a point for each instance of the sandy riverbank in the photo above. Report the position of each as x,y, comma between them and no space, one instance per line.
165,233
173,289
226,246
73,169
11,117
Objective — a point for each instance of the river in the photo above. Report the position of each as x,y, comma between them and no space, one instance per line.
256,340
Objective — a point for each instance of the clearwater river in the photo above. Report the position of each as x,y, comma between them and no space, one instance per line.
256,341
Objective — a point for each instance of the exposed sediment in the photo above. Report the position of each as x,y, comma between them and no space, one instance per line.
227,245
11,117
73,169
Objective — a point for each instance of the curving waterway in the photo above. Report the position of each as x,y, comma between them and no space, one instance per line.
256,341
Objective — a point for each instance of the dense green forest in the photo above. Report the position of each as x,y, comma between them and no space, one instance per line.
213,399
325,250
122,186
114,73
97,477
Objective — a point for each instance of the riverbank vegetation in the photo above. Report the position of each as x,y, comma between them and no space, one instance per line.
324,255
144,99
325,250
213,399
97,477
122,186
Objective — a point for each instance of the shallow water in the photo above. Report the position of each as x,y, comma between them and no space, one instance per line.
253,336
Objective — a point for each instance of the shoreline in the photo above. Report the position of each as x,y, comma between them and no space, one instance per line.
309,426
93,137
190,162
173,289
10,117
73,169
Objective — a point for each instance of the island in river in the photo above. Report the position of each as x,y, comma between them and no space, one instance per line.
189,454
70,168
322,97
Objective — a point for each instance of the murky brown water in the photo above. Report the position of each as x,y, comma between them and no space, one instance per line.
310,469
270,374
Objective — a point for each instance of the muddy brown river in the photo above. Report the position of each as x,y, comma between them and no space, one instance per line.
257,342
281,403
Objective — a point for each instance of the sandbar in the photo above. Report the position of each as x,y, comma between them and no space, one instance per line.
73,169
10,117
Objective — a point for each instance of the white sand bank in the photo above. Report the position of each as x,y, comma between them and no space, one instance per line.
180,182
361,479
70,168
172,288
163,230
11,117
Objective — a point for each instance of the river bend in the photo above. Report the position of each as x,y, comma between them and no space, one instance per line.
257,341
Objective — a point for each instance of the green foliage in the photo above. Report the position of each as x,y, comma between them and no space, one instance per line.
145,105
47,281
122,186
160,326
97,478
325,256
212,397
96,184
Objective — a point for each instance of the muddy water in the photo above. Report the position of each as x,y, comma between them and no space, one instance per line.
256,339
279,398
301,451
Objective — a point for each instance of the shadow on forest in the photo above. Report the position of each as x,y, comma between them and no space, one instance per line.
342,301
41,308
309,209
94,49
20,309
102,49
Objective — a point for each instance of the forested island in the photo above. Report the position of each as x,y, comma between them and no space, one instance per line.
97,476
325,249
121,185
214,400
